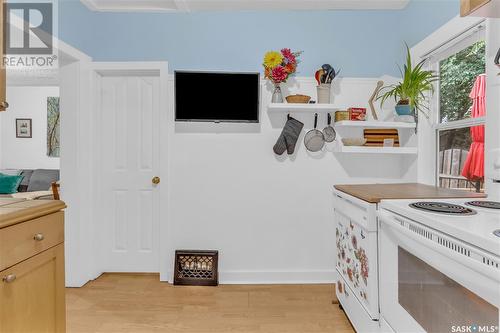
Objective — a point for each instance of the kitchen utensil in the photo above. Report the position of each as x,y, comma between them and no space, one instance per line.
329,132
322,77
298,99
327,76
317,76
333,75
353,141
314,139
326,67
372,98
326,70
497,59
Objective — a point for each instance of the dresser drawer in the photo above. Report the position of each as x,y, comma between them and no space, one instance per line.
21,241
358,211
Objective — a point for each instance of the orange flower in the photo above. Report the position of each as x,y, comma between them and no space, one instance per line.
268,73
290,68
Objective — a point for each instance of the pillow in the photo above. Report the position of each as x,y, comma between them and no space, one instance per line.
9,184
11,172
41,179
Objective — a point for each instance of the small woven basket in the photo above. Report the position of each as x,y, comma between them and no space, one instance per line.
304,99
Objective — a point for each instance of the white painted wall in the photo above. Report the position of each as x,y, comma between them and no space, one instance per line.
26,153
270,216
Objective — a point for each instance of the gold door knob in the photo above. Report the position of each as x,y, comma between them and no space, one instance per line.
155,180
4,105
9,278
39,237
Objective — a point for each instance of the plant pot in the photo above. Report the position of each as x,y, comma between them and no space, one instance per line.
405,110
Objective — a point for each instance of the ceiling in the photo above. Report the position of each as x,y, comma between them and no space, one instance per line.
217,5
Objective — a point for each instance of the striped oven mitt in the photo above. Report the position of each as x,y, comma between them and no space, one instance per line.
289,136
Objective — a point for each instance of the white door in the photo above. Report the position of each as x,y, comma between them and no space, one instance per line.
129,143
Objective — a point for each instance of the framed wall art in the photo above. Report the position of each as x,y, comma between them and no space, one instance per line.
23,128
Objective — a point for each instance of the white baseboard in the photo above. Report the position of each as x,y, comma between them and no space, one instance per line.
277,277
254,277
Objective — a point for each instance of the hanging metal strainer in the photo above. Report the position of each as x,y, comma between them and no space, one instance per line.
314,139
329,132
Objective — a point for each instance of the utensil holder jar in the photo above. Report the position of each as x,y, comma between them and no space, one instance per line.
324,93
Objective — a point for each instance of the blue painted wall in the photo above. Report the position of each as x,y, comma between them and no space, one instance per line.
361,43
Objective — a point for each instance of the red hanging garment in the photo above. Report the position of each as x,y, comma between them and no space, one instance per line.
474,164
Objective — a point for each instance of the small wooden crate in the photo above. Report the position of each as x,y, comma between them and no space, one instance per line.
375,137
196,268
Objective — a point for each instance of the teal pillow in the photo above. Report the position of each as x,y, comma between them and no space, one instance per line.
9,184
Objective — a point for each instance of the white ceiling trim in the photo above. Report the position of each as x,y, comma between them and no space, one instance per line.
235,5
134,6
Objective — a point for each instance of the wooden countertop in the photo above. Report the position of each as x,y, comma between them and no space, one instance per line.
14,211
373,193
9,201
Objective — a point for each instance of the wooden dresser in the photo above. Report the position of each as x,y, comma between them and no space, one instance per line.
32,294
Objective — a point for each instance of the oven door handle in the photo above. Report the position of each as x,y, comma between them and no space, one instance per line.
394,222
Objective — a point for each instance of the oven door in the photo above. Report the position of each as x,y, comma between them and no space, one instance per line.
430,282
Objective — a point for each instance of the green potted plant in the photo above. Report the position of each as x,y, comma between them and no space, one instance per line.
410,93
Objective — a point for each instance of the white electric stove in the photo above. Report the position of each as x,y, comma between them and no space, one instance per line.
439,265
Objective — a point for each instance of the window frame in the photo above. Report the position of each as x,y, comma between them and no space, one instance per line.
455,45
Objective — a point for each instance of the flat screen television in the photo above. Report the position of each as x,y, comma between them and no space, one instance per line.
217,96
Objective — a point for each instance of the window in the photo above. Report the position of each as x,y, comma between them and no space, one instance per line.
454,147
458,130
458,73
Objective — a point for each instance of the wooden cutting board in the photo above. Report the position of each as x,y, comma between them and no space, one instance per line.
373,193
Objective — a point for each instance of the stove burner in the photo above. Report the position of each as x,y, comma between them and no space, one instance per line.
496,232
442,208
484,204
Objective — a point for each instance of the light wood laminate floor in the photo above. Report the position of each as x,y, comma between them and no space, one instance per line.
140,303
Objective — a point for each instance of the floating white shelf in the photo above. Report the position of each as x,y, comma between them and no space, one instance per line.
300,107
373,124
376,150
